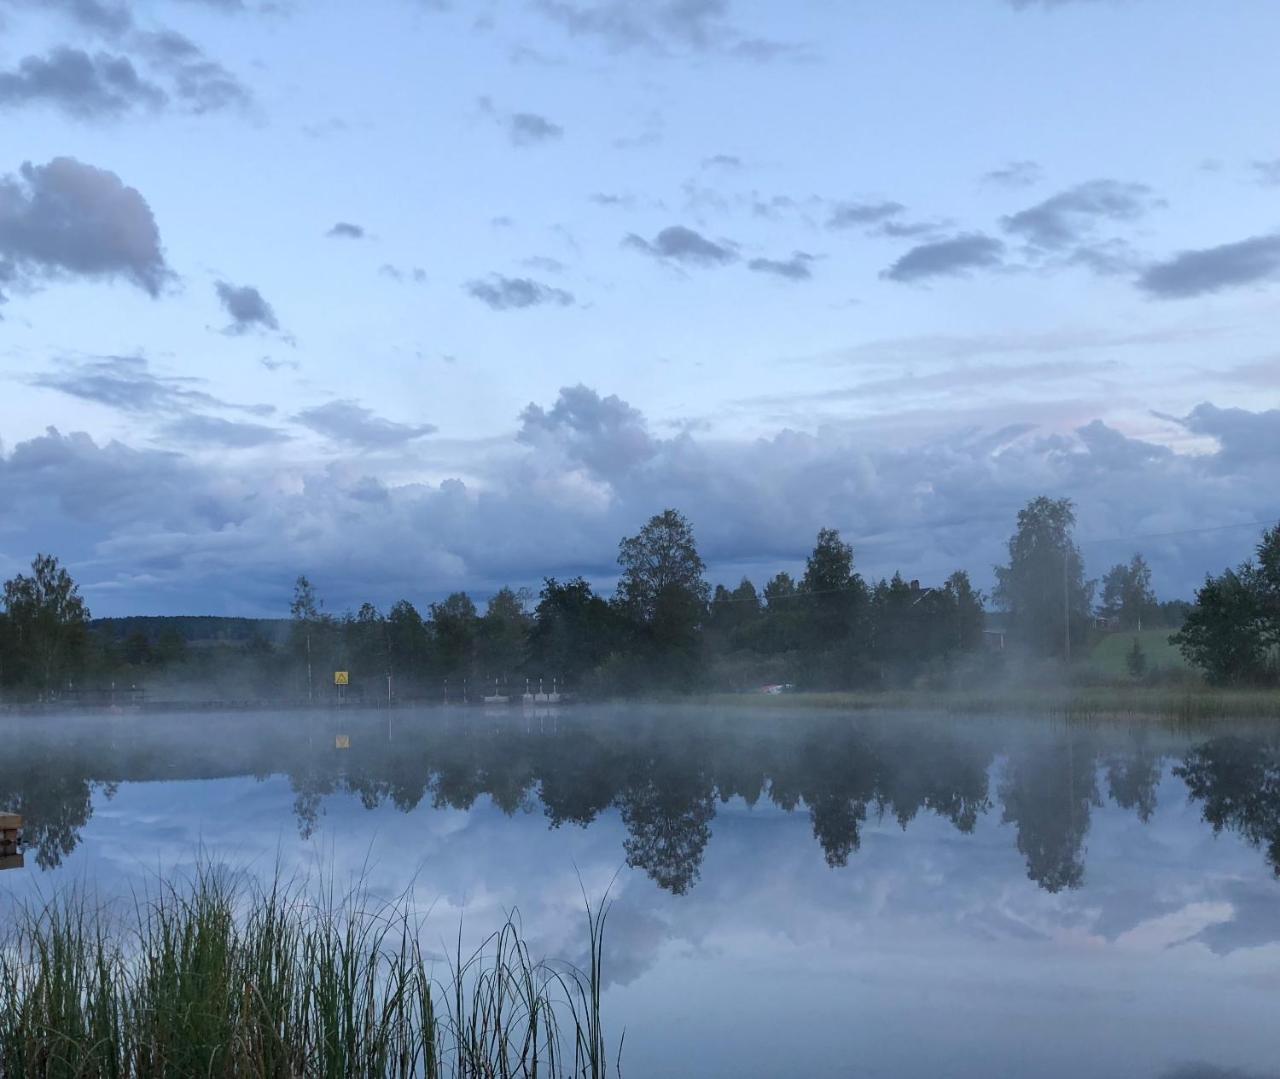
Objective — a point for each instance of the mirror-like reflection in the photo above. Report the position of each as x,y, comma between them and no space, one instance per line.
665,775
794,893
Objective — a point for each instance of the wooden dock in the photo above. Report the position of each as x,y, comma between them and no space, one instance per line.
10,841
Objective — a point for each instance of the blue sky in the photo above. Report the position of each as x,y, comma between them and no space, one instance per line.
415,295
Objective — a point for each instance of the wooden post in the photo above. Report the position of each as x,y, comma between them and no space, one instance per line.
10,838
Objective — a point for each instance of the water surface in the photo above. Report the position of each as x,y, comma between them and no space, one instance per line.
795,894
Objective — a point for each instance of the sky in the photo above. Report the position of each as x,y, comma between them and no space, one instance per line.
413,296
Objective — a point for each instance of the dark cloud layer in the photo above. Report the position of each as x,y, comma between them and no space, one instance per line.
943,258
684,245
83,86
509,293
247,308
69,219
1212,269
355,425
585,470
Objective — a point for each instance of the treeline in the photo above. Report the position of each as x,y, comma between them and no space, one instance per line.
664,629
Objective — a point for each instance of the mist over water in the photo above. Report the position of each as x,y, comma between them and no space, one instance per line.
819,892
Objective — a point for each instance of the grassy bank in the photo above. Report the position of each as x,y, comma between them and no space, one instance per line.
225,978
1173,703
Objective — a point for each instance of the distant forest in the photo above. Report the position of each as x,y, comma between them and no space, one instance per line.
665,630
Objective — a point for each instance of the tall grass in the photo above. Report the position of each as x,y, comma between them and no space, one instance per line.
224,977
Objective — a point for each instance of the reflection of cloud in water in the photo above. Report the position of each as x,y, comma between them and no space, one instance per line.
926,925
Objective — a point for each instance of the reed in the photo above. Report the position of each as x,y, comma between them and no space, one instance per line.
221,976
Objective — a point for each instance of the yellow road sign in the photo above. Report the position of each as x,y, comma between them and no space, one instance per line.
341,678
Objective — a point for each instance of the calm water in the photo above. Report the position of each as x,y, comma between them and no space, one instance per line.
795,894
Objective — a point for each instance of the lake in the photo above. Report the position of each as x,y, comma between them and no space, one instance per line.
793,893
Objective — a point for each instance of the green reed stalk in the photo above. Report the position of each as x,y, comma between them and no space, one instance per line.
221,977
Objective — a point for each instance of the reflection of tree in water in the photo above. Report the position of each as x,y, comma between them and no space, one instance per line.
1238,780
664,775
1132,779
668,824
53,794
1048,791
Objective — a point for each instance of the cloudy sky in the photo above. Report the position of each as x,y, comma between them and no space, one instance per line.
416,295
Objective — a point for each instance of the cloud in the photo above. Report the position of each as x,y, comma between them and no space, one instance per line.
604,434
214,431
509,293
952,257
193,80
528,128
247,308
522,128
849,214
352,423
69,219
681,244
98,16
101,86
1212,269
1242,436
1015,174
796,268
584,470
201,84
1267,172
728,162
128,384
1067,217
344,229
661,27
416,274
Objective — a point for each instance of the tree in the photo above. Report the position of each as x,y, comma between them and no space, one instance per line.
1231,631
502,634
1043,586
966,611
779,631
408,641
304,609
573,631
1136,659
735,615
455,628
1127,597
661,567
833,595
663,594
47,624
1225,633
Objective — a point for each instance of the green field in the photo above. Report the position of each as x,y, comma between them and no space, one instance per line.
1109,654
